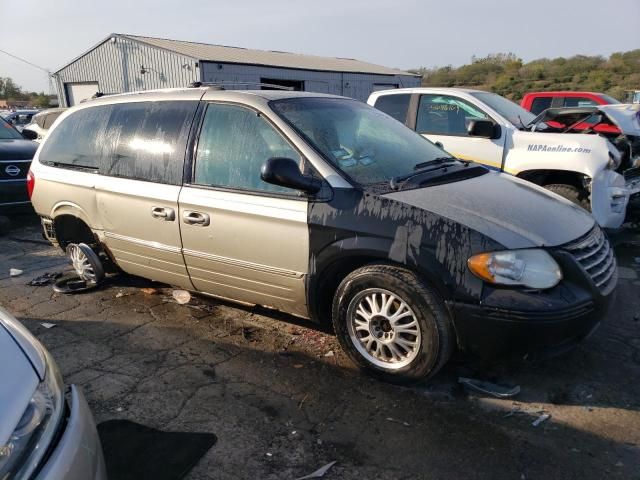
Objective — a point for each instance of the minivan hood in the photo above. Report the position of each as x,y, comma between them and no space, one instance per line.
18,380
510,211
17,149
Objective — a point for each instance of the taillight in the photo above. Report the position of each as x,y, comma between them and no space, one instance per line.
31,182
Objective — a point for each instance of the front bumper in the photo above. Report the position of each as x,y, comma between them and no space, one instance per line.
78,453
517,322
491,332
609,198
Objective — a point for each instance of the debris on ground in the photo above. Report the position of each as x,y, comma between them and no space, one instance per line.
181,296
390,419
44,279
498,391
48,325
14,272
153,291
329,353
122,294
542,418
318,473
306,395
249,334
72,284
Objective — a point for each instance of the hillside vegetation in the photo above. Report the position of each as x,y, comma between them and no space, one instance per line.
508,75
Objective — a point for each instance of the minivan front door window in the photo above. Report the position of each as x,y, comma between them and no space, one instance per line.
234,144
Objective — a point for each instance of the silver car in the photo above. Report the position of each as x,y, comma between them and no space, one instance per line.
44,434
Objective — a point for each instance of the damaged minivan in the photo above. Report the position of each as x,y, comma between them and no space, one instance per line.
328,209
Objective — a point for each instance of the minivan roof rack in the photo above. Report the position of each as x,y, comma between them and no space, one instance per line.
221,85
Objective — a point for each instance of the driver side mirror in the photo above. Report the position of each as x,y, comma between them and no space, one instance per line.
285,172
479,127
29,134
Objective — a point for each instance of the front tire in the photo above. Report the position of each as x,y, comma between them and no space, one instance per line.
571,193
392,324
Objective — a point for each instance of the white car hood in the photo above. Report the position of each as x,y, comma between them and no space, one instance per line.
625,116
18,382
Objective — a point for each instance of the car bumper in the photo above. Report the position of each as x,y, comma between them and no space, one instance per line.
78,453
491,332
13,197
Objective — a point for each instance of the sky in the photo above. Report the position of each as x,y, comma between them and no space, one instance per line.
400,33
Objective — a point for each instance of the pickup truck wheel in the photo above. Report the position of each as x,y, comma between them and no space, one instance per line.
392,324
571,193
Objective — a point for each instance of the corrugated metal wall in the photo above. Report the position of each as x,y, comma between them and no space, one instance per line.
355,85
116,67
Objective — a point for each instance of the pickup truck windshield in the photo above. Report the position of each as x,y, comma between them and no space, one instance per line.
7,132
513,112
366,144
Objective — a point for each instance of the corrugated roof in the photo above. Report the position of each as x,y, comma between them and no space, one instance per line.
224,54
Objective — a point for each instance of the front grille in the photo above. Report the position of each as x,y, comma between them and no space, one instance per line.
596,256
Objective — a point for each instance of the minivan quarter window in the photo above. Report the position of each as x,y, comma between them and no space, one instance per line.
234,143
78,141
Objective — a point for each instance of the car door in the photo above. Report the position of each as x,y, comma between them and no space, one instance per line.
137,191
243,239
444,119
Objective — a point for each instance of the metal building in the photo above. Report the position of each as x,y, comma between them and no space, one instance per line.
126,63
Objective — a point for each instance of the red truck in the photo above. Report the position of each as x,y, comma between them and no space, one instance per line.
537,102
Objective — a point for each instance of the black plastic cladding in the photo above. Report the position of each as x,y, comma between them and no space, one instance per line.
357,225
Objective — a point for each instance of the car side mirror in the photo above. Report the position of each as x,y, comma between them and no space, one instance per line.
29,134
479,127
286,173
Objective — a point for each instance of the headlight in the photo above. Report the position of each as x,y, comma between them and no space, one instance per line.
527,268
22,454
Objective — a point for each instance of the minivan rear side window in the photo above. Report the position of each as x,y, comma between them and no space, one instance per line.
396,105
78,142
147,140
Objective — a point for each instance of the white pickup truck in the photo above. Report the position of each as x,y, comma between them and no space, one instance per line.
492,130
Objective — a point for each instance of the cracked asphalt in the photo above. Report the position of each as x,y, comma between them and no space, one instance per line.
284,401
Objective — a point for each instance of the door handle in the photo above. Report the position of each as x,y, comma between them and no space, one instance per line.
163,213
195,218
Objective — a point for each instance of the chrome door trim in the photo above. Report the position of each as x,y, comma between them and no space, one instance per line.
144,243
243,264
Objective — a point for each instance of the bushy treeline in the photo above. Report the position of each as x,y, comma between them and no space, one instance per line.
508,75
9,90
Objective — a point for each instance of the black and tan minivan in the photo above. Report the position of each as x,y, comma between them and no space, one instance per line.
325,208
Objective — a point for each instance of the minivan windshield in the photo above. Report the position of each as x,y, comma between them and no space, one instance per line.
7,132
513,112
366,144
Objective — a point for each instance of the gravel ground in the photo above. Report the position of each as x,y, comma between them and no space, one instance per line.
284,400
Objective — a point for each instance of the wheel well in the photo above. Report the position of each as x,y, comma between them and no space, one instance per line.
549,177
71,229
331,277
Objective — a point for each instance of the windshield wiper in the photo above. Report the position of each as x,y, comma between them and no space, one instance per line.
420,168
435,161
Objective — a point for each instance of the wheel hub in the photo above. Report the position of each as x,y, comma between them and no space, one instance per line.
383,328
